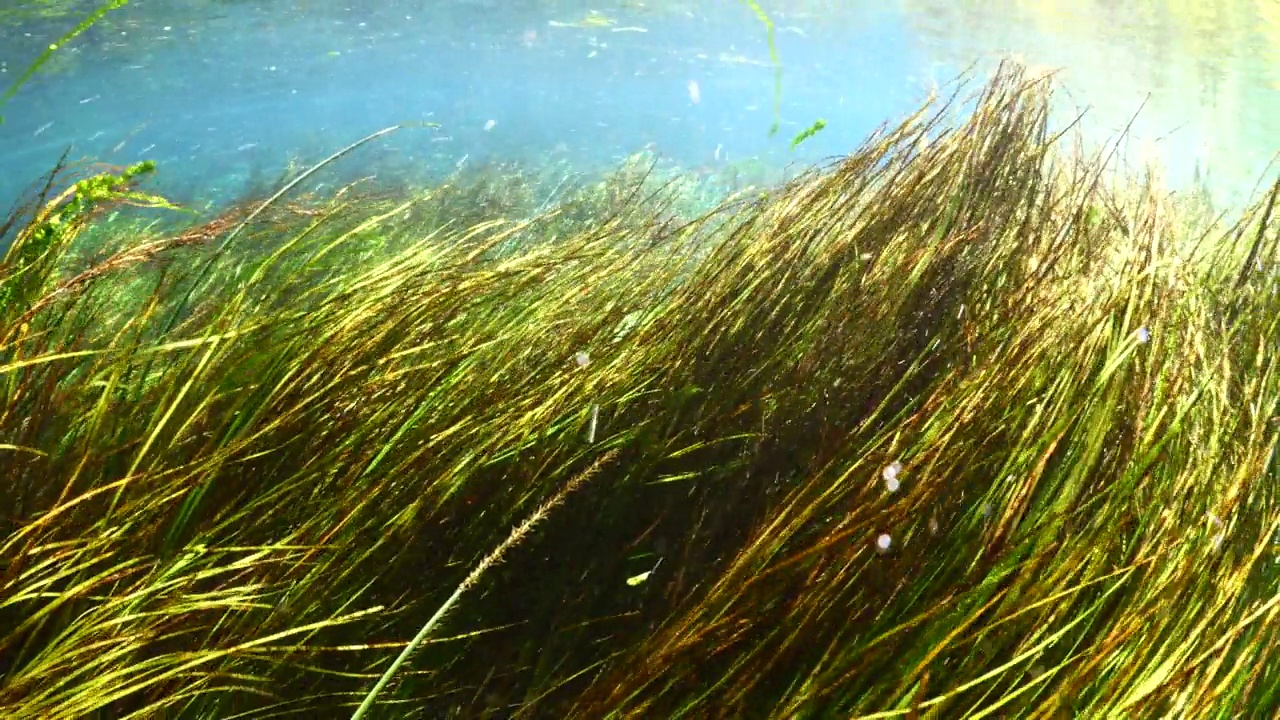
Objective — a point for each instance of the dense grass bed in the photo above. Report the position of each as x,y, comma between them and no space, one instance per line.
966,424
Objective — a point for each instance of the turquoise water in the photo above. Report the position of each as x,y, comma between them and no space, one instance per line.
224,95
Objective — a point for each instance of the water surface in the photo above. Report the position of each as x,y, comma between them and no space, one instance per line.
225,95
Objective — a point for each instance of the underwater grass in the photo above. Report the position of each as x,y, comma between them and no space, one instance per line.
965,424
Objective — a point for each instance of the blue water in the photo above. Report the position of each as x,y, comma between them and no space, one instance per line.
224,98
223,101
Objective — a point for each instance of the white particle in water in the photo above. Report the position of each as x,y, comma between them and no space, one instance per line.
489,125
891,471
581,359
883,542
1144,335
892,484
933,526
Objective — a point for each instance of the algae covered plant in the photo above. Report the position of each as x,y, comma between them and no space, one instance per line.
973,421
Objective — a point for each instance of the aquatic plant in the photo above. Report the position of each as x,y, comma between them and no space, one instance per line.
31,258
818,126
248,494
771,41
519,533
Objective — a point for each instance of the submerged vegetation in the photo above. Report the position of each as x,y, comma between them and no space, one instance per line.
965,424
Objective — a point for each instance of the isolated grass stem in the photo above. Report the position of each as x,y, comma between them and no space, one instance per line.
518,534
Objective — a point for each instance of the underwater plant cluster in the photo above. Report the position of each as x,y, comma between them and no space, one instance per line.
967,423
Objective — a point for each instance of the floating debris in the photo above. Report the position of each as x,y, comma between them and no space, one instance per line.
890,475
808,132
738,59
593,19
488,126
884,542
635,580
1221,535
695,93
891,471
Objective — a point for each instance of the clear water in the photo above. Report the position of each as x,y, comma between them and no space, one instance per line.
224,95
